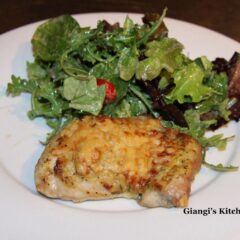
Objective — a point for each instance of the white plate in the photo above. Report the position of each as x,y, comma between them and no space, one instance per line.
24,214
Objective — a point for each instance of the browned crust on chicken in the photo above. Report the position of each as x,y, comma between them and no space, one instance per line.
101,158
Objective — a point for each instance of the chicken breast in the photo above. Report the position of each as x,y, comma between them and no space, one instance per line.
95,158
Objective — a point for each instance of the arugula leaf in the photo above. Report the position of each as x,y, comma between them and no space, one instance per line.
220,168
56,72
217,103
55,124
154,28
130,106
84,96
197,128
19,85
144,98
46,101
217,141
204,63
127,64
73,67
68,59
128,26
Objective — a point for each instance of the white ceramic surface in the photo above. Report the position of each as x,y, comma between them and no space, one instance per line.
24,214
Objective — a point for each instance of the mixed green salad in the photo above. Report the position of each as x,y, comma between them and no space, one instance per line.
125,71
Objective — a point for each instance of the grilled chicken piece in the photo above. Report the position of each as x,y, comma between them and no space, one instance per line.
96,158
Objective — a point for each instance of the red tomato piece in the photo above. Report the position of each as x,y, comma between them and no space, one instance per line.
110,89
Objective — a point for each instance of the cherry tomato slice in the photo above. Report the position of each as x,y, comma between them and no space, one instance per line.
110,89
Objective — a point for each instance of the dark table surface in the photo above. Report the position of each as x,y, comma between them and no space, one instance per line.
219,15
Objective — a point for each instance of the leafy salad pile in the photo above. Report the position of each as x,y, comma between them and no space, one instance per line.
123,72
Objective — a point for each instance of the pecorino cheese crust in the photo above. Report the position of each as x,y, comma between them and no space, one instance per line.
95,158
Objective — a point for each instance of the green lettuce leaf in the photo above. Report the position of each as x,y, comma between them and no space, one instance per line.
53,38
162,54
35,71
189,85
84,96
